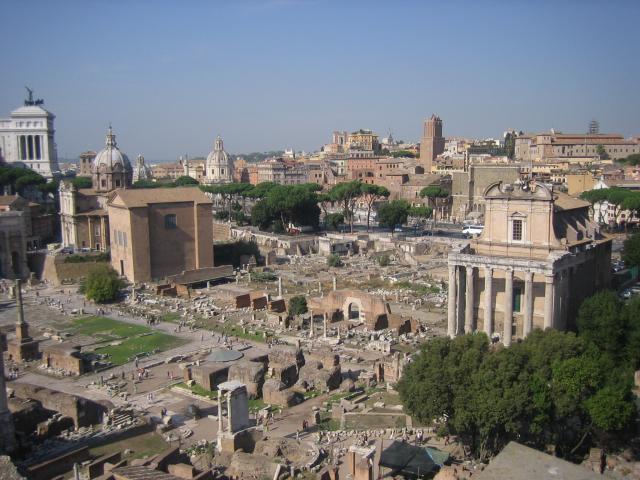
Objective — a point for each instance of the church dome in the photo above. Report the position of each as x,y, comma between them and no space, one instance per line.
219,168
111,157
141,171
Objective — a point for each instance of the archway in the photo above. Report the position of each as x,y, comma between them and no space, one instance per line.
354,311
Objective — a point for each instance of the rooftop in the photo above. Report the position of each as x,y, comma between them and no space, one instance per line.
517,462
143,197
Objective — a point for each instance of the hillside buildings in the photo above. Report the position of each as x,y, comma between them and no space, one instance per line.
27,138
555,145
538,257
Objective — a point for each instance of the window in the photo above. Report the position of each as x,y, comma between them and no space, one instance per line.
96,230
516,232
170,221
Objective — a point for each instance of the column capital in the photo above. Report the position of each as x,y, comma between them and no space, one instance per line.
528,276
549,278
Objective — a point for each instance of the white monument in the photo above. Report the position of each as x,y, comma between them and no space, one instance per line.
26,138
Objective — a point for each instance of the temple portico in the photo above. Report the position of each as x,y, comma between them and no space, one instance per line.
513,279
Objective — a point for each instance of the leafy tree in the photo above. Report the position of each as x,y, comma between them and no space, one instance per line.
631,313
325,201
82,182
260,190
432,193
261,215
393,213
101,284
601,324
602,152
333,220
185,181
421,212
631,250
632,159
347,194
334,260
297,305
403,154
372,194
510,144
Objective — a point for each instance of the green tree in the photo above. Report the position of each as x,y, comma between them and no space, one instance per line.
631,312
631,250
393,213
421,213
334,260
432,193
101,284
261,190
602,152
372,193
82,182
510,144
185,181
347,194
333,221
600,323
148,184
403,154
297,305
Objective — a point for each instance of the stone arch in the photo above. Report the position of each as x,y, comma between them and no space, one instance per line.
352,309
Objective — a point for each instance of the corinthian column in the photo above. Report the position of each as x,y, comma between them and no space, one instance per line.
452,295
468,311
508,307
488,301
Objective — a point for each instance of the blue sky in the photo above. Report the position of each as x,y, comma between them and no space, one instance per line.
270,74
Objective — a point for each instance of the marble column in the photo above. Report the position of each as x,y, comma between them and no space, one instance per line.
311,326
508,308
280,287
488,301
452,295
324,325
335,283
468,311
219,412
528,304
549,293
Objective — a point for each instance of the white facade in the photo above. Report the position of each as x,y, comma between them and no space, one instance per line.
219,167
26,139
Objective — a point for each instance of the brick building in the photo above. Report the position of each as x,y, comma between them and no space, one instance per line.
160,232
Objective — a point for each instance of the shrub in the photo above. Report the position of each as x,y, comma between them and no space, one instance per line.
384,260
334,260
102,284
297,305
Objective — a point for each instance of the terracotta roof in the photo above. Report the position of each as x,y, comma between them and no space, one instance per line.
97,212
143,197
567,202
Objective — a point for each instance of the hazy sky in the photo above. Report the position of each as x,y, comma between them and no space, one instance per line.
271,74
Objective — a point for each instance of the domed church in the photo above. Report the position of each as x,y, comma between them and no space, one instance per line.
83,211
111,167
219,167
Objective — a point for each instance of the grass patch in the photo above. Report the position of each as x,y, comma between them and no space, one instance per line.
236,331
198,390
100,257
146,344
416,288
143,445
311,394
328,424
106,328
256,404
263,277
171,317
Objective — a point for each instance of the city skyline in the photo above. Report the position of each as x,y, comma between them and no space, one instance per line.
171,79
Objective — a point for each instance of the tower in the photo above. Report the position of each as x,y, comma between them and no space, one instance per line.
432,143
